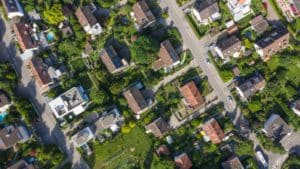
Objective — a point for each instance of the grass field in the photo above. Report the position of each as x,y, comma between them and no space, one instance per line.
124,151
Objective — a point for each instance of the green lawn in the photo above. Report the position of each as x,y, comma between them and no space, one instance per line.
124,151
292,64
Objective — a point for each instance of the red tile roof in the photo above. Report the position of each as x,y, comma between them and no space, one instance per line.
135,100
85,16
213,131
40,73
183,161
191,94
142,13
167,56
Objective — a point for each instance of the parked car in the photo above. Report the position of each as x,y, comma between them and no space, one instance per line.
261,158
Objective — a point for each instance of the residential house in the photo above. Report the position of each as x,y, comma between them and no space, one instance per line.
276,128
206,11
168,57
250,86
273,42
12,8
183,161
239,8
88,21
73,101
296,107
111,119
11,135
232,163
22,164
29,38
143,15
66,29
213,130
137,99
40,74
158,127
295,8
191,94
112,61
83,137
88,49
231,27
227,47
259,24
162,150
5,102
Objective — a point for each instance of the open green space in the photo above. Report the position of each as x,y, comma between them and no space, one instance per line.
129,150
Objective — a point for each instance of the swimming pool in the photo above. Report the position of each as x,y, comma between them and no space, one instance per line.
50,36
2,116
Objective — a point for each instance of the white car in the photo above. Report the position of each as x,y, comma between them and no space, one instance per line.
261,158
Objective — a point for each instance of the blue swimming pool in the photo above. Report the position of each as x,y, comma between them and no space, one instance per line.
2,116
50,36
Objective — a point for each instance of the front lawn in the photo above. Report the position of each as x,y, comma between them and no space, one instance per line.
124,151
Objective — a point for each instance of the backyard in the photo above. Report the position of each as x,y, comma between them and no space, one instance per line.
129,150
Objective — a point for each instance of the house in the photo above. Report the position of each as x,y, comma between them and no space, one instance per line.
40,74
73,101
231,27
83,137
168,57
11,135
213,131
22,164
239,8
88,49
296,107
12,8
137,100
183,161
273,42
158,127
236,71
191,94
162,150
295,8
259,24
276,128
227,47
143,15
88,21
66,29
251,86
232,163
206,11
29,38
111,119
112,61
5,102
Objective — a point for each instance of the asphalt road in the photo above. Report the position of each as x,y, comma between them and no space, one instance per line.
47,129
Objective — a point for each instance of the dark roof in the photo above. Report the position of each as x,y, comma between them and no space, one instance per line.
162,150
67,10
10,5
23,33
229,45
111,59
4,99
85,16
206,8
252,85
158,127
276,127
9,136
259,24
272,37
143,13
232,163
39,70
21,164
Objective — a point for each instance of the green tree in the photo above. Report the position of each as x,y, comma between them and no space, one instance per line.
98,96
53,15
144,50
107,3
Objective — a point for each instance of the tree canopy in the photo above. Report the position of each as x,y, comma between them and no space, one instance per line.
53,15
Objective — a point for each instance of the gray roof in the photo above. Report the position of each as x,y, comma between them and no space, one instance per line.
229,45
259,24
21,164
11,5
206,8
4,99
11,135
232,163
276,127
252,85
271,37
